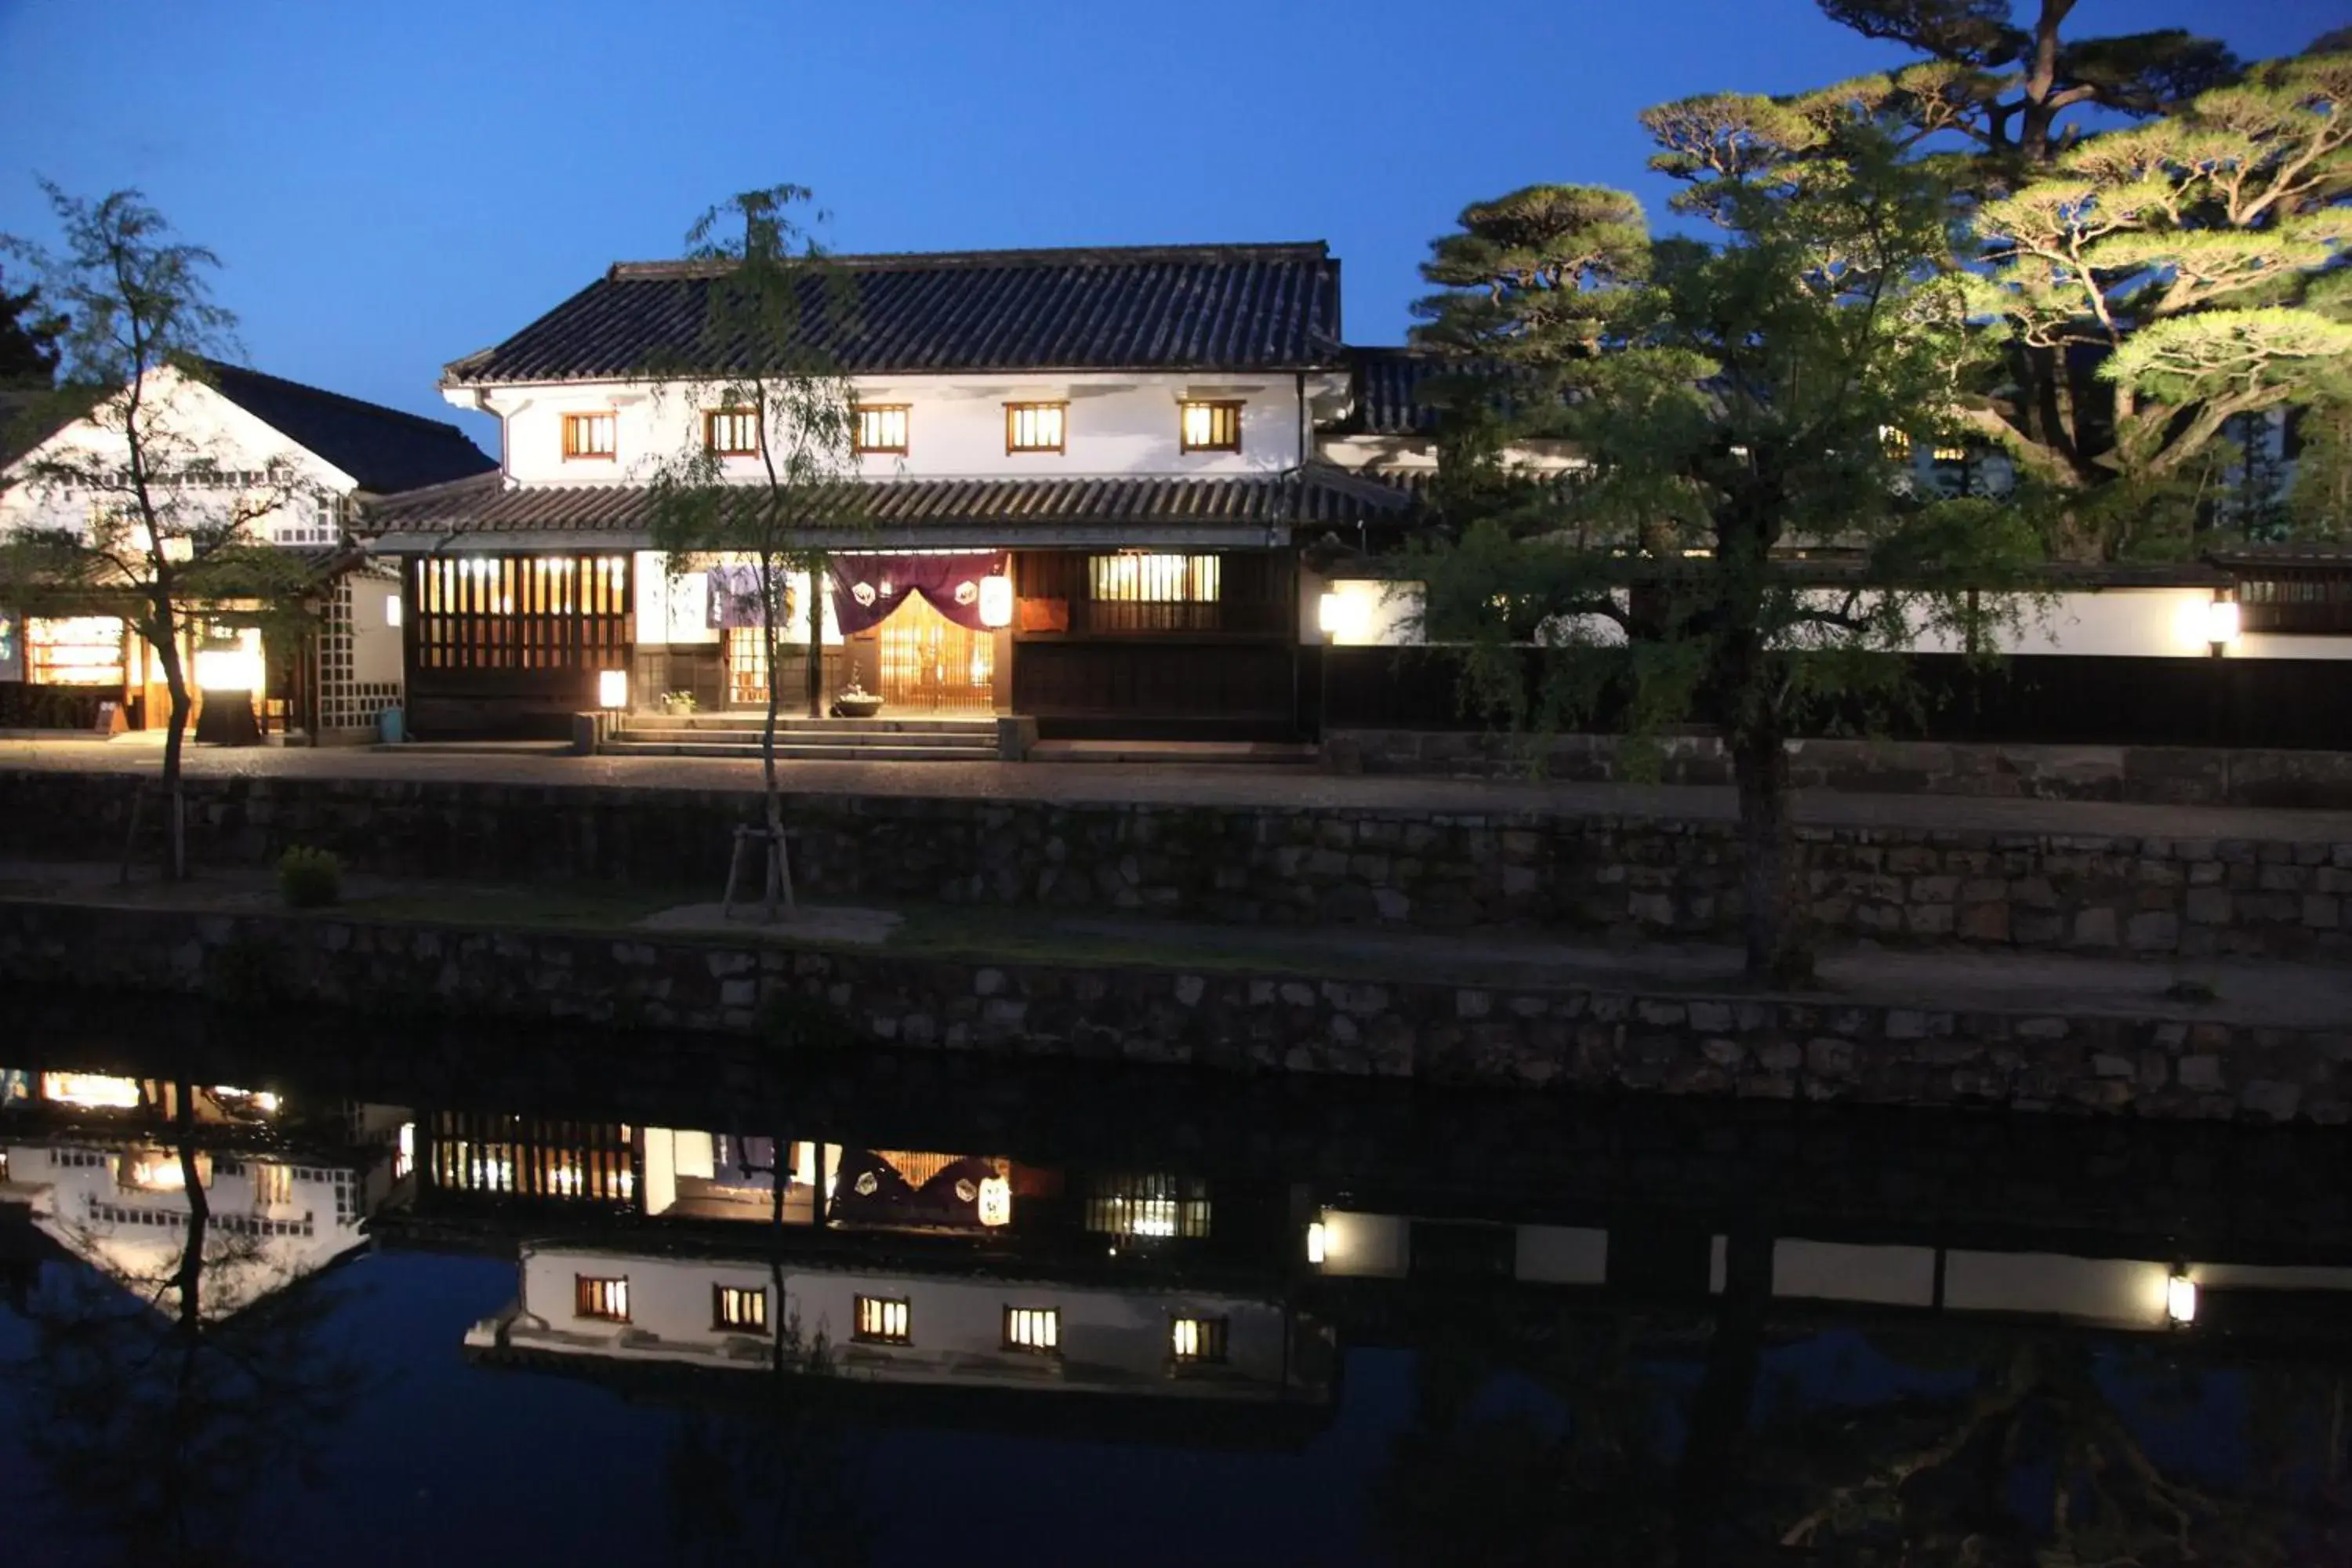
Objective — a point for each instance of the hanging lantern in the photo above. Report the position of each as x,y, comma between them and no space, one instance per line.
996,602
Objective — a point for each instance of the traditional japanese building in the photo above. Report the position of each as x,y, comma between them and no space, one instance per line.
296,461
1091,472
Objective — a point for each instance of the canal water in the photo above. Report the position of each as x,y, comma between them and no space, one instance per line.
279,1290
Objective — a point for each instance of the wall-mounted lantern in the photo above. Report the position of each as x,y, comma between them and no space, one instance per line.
2180,1300
2221,623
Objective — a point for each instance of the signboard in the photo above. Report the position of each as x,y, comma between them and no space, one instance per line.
12,646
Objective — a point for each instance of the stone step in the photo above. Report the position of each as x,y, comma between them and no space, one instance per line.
971,740
879,749
752,723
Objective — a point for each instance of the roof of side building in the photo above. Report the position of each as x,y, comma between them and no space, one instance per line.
384,449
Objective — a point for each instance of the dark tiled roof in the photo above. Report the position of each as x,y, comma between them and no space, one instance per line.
2307,552
383,449
1388,385
1392,390
1201,307
1318,494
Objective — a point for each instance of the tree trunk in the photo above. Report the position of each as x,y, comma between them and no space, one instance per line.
175,814
1772,868
815,675
777,882
1706,1476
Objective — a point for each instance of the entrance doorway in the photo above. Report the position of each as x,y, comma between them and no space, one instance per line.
930,664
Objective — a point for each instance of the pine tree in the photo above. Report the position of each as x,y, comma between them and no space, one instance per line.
1731,403
2137,287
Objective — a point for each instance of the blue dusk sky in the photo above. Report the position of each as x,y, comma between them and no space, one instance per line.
390,186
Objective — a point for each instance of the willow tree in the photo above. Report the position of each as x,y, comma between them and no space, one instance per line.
1731,403
2155,239
761,366
137,507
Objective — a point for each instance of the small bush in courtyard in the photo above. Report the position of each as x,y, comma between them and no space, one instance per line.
309,878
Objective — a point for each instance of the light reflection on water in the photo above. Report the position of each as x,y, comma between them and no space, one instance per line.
1532,1339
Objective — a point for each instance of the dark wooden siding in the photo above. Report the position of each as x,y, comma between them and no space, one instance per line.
1162,668
511,645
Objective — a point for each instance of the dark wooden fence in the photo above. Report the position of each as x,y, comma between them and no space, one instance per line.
2295,704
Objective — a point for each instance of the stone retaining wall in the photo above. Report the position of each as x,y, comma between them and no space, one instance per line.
1541,1037
1303,866
2156,775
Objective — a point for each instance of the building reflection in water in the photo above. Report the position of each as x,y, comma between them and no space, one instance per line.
167,1242
1728,1376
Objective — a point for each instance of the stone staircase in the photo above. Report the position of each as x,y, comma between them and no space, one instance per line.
923,739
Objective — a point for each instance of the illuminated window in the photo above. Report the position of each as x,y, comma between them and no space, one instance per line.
1037,1328
273,1185
508,612
94,1091
158,1170
591,435
882,427
733,1307
605,1298
1211,426
1036,426
1896,443
1951,454
77,650
882,1320
1197,1339
1150,1204
1154,579
730,432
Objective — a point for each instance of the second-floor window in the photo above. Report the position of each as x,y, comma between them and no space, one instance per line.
1211,426
882,427
1037,1328
736,1307
605,1298
1196,1339
883,1320
591,435
1036,426
731,432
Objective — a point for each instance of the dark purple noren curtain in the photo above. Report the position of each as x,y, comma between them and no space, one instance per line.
866,588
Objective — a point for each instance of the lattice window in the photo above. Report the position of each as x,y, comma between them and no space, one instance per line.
608,1299
738,1307
1211,426
1196,1339
883,1320
1149,1204
1034,1329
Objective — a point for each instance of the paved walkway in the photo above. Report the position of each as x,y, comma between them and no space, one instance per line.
1174,784
2256,991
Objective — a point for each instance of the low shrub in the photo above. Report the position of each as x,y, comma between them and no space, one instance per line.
309,878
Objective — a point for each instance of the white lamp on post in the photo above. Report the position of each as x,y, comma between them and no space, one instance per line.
612,689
